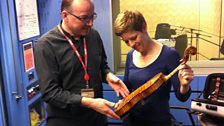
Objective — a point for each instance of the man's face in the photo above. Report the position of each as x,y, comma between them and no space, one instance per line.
80,18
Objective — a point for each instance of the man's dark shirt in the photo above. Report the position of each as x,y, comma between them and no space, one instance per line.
61,75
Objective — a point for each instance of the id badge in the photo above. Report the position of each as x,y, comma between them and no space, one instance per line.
87,93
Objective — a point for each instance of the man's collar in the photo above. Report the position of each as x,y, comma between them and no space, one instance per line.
65,32
69,35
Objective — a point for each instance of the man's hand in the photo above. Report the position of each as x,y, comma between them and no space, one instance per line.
100,105
118,85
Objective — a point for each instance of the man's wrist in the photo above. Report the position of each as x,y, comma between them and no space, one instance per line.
86,101
108,76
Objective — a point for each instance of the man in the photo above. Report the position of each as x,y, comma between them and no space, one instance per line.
71,65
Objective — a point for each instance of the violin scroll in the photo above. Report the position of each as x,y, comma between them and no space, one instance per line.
190,50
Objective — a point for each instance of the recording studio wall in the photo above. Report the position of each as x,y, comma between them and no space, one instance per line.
201,16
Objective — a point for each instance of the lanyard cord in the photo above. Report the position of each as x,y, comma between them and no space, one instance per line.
86,76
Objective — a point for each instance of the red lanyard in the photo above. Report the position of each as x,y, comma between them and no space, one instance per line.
86,76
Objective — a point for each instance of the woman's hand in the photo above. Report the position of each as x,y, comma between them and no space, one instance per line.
185,75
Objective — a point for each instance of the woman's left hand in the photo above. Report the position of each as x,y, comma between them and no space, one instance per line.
185,75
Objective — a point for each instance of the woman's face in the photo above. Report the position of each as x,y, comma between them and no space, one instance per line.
135,39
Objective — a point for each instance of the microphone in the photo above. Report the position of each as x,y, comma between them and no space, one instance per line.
222,47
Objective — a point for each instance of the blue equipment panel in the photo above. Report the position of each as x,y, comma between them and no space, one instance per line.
21,87
2,102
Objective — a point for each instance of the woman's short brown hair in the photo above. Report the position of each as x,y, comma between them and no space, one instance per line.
128,20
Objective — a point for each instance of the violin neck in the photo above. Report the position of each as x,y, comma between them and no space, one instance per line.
167,77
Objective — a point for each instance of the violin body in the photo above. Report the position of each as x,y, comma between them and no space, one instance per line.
142,92
149,87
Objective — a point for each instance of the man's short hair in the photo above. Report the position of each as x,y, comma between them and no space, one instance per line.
65,4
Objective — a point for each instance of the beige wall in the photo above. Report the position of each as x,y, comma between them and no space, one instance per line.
203,15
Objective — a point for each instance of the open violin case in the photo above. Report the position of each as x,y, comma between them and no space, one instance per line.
212,102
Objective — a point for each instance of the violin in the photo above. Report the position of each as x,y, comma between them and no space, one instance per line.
149,87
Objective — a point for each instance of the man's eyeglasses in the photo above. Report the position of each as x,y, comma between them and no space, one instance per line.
85,19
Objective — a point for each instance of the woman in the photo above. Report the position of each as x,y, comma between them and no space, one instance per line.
146,59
